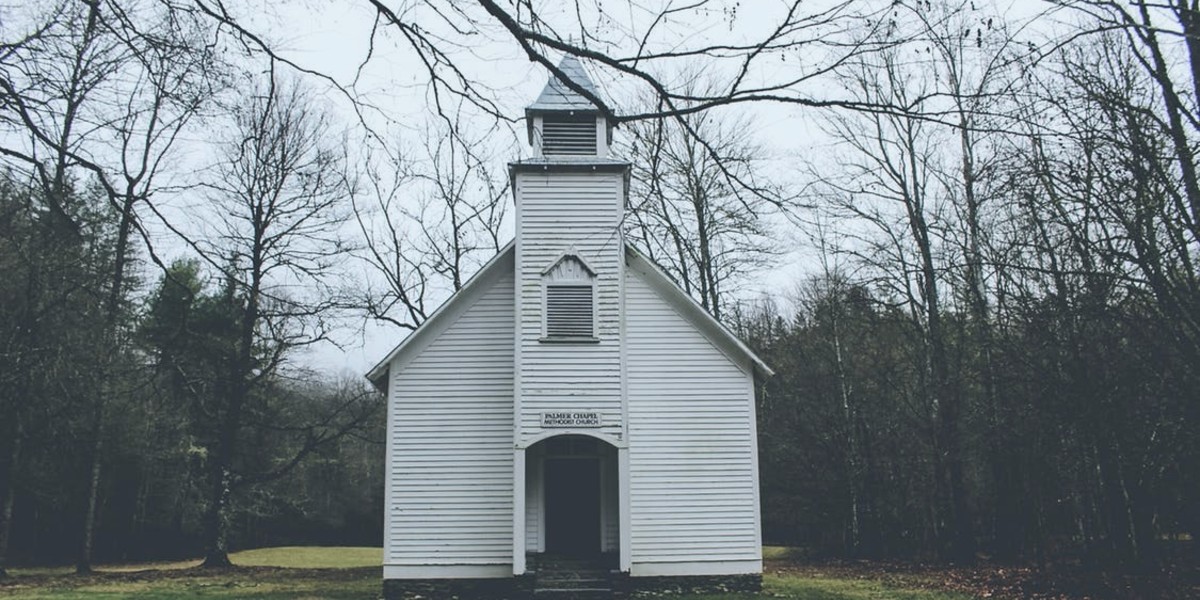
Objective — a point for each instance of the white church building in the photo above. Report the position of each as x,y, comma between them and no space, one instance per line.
570,420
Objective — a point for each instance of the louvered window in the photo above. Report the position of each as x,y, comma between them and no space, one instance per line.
567,135
569,311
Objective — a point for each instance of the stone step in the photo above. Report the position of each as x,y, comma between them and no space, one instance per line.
573,584
572,594
564,578
574,566
566,575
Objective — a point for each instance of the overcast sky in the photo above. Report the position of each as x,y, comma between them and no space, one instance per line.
333,38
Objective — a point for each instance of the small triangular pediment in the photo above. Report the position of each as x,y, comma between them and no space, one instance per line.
569,267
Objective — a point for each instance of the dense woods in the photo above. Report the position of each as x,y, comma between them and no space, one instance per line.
990,350
997,354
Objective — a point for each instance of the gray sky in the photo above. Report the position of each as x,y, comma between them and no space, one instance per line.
333,38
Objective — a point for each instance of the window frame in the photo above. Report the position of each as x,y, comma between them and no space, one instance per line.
548,281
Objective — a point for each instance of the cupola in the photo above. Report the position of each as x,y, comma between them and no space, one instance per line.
563,124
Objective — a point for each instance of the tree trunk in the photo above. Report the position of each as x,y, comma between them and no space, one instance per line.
83,565
1006,527
848,414
957,536
1188,13
216,518
216,546
237,386
10,495
112,309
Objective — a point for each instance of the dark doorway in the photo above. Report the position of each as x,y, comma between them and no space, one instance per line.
573,506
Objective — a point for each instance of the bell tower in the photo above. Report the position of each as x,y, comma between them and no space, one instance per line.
569,373
563,124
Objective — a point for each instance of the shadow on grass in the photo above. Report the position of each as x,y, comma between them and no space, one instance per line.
195,582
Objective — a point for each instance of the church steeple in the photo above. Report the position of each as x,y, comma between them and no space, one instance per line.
564,124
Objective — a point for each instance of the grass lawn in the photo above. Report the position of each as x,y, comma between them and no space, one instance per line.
354,573
797,587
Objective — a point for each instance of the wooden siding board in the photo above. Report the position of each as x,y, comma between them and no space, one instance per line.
692,480
450,499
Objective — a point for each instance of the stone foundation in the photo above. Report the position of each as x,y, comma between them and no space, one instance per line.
521,588
507,588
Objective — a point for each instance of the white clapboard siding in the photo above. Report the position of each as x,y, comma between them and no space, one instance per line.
561,213
691,442
449,497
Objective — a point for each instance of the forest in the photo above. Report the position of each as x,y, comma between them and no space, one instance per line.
963,233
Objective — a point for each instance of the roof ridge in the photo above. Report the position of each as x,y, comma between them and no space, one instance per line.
557,96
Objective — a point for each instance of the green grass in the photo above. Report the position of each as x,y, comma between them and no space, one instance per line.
781,552
309,557
255,585
290,557
798,587
311,573
115,568
270,573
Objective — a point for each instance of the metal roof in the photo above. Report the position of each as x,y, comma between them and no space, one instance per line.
558,97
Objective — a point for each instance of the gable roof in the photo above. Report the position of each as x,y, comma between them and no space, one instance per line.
446,314
556,96
688,308
478,284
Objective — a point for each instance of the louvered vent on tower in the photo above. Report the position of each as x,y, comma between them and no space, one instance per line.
569,135
569,311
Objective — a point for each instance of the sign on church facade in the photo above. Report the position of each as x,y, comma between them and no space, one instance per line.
570,418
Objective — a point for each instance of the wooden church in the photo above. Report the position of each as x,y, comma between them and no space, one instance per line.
570,421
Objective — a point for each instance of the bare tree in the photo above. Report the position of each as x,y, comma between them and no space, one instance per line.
889,183
830,295
429,220
1107,224
1147,38
636,44
280,194
976,61
701,208
174,76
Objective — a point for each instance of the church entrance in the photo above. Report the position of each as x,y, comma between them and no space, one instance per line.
572,498
573,506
